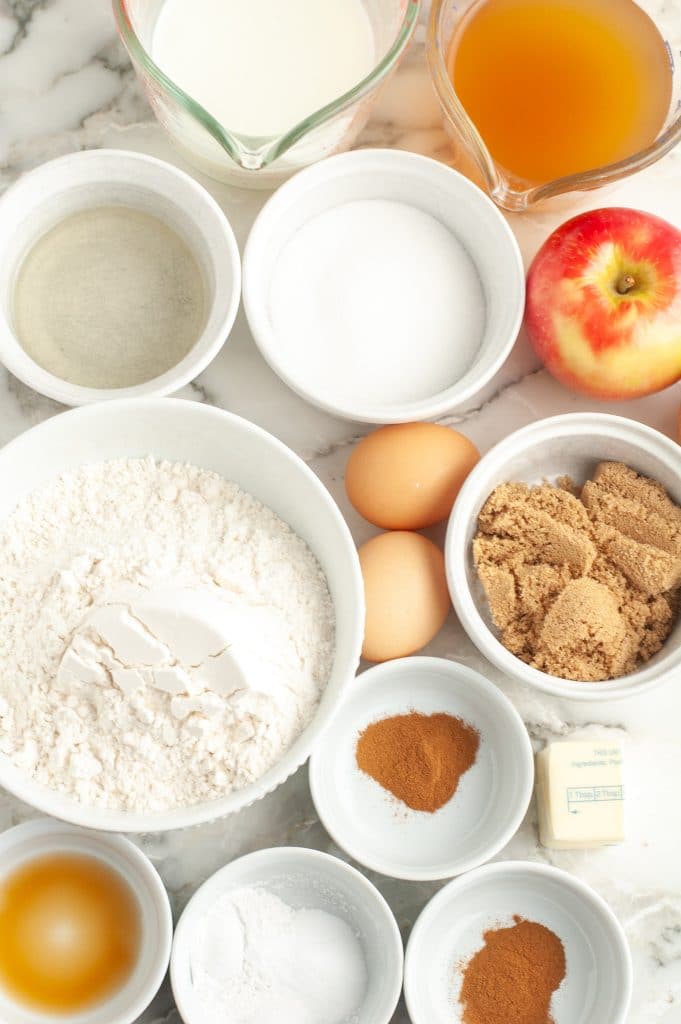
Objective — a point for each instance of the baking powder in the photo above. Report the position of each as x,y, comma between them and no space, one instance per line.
256,960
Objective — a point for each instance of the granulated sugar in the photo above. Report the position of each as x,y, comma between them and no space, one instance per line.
105,696
375,301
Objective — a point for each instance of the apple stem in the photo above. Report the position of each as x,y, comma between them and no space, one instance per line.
625,284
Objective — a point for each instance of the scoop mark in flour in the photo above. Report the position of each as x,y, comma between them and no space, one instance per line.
196,662
127,634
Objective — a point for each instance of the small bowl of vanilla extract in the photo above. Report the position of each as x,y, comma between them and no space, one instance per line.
85,926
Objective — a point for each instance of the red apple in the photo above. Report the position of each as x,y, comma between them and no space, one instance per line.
604,303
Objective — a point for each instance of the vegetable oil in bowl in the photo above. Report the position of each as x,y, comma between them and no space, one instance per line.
69,932
558,87
110,297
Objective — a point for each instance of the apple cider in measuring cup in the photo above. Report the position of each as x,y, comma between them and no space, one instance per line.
557,87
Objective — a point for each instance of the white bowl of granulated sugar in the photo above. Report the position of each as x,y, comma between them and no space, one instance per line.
383,286
182,607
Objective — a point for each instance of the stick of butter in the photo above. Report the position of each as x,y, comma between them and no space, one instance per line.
580,794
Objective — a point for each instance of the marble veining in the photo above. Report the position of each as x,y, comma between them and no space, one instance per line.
66,84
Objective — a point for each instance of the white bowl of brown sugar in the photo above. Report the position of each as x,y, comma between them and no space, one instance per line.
564,556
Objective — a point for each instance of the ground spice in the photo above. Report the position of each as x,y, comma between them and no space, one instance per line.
418,758
512,978
582,584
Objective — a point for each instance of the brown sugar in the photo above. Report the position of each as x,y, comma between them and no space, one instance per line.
511,980
418,758
582,583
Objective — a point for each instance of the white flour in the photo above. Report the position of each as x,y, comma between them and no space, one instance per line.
256,960
164,636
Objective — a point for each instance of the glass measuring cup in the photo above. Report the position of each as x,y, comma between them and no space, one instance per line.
262,161
472,154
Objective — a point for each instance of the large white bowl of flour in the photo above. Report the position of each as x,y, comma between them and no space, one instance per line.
108,717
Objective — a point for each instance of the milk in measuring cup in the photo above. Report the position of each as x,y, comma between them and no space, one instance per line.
261,66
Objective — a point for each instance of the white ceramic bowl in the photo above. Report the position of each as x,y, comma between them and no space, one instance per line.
570,445
43,837
310,879
429,186
449,930
184,431
81,181
489,805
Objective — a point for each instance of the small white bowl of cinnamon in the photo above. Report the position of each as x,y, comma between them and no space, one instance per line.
563,556
426,770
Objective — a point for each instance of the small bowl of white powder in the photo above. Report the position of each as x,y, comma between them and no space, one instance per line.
383,286
120,277
287,934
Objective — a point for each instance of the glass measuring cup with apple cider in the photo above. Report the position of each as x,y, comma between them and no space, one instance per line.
553,95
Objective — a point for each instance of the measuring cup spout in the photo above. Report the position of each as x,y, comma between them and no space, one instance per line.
247,152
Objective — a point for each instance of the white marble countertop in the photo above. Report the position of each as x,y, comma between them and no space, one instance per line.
65,84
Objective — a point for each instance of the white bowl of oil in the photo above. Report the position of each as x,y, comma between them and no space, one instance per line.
120,277
85,926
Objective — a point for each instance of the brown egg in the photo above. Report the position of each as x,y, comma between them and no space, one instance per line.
406,594
407,476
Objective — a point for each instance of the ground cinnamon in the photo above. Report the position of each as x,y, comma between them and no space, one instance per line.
512,978
418,758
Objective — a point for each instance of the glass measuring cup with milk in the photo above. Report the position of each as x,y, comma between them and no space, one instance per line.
253,90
